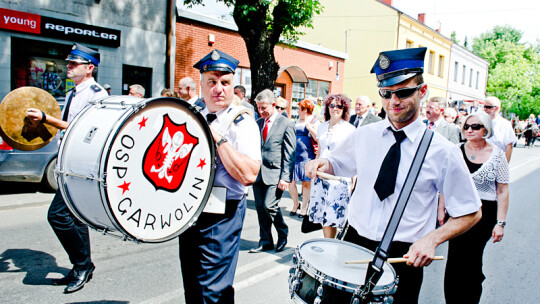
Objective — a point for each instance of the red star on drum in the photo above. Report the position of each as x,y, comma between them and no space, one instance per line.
124,187
202,163
142,123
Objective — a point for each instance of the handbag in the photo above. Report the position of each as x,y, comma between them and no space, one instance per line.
309,226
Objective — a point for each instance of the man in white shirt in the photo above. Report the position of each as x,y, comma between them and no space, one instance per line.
503,133
401,86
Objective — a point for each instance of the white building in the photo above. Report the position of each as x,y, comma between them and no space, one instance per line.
467,75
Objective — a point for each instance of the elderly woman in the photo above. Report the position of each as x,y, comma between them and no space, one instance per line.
489,170
306,141
330,213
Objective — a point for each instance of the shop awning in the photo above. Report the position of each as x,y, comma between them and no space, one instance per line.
296,73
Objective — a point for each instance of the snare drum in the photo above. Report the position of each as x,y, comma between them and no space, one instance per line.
319,274
141,169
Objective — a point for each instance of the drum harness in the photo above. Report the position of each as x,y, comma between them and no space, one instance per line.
375,268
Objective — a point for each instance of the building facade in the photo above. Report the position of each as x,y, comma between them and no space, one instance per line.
36,36
306,70
468,76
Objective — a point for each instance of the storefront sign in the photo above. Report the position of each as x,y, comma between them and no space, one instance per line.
57,28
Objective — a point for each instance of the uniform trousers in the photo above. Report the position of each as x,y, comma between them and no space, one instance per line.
72,233
463,276
410,278
267,199
209,255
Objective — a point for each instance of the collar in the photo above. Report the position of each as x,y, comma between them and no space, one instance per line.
85,84
272,118
192,100
219,114
438,122
412,130
363,116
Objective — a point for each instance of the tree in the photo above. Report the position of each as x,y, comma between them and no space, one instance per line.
514,69
262,23
453,36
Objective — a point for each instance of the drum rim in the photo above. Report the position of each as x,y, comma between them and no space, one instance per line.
105,158
335,282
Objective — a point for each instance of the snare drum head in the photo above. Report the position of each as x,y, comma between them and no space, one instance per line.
159,170
328,257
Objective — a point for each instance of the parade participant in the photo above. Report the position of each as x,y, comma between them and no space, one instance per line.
240,91
306,141
435,119
278,152
331,213
489,169
401,86
72,233
209,250
363,114
503,133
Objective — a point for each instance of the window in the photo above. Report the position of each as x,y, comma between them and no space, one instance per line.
470,78
464,74
441,65
431,62
317,88
477,79
456,70
242,76
408,44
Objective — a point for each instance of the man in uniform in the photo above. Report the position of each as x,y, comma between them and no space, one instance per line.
401,86
209,250
504,136
72,233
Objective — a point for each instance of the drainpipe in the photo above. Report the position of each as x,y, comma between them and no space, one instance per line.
169,32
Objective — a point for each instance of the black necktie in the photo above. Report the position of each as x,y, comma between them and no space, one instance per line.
386,181
68,104
210,117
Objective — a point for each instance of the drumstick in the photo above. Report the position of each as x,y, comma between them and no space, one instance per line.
390,260
330,176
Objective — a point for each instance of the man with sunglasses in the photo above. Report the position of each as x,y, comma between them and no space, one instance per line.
281,106
504,136
372,149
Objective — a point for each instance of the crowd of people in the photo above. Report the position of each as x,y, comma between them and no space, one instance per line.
461,193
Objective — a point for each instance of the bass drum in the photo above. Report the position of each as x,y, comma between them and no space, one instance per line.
319,274
141,169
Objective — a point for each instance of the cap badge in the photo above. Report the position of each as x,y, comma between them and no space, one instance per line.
74,47
384,62
215,55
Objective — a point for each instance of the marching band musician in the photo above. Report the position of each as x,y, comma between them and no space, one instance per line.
209,250
72,233
381,176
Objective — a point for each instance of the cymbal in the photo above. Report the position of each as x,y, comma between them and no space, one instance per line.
16,129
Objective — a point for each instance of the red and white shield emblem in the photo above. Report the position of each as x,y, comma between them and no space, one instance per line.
167,157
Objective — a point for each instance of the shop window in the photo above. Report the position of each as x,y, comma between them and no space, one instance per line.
242,76
298,94
40,64
317,88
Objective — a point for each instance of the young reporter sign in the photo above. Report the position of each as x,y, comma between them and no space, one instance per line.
57,28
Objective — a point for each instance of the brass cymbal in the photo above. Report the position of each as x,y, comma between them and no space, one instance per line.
16,129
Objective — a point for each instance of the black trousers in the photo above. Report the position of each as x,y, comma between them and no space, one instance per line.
72,233
410,278
267,199
463,276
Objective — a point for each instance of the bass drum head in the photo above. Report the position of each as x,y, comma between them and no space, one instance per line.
159,170
328,257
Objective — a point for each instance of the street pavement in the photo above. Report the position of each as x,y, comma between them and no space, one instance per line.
30,255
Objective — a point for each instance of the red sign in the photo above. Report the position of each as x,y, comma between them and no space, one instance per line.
167,157
20,21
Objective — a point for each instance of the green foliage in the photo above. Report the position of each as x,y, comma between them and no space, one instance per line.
514,69
453,36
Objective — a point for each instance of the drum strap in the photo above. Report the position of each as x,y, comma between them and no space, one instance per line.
375,268
231,117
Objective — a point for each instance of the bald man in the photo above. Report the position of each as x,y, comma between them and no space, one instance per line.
363,116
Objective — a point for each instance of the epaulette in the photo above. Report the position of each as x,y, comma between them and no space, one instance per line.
239,119
95,88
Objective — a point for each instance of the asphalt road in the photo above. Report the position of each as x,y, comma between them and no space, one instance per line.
30,255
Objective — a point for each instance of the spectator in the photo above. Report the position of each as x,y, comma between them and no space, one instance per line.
187,90
136,90
168,93
503,134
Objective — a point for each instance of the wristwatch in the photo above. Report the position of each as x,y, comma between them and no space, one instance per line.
501,223
221,141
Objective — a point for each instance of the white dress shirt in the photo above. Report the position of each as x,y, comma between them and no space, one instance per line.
443,170
244,137
329,140
84,93
503,134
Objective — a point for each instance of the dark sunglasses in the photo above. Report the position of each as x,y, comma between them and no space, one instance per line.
489,107
475,126
280,108
331,106
400,93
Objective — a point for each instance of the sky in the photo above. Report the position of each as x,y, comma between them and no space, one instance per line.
468,18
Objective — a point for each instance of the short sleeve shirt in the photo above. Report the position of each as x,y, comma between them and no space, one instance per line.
503,134
85,92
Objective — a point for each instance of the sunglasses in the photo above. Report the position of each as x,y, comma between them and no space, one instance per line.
489,107
280,108
331,106
400,93
474,126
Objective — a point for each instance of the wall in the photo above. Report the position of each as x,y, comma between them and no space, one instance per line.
143,40
459,89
